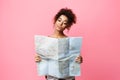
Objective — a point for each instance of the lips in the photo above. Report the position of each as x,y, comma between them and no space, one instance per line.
60,28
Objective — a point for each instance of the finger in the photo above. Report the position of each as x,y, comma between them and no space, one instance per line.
77,60
37,60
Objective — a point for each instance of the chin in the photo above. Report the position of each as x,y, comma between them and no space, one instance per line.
58,29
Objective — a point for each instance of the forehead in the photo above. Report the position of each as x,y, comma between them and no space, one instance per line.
63,17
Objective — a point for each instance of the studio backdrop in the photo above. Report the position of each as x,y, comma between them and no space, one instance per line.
98,22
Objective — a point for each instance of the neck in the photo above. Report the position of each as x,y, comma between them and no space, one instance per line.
58,33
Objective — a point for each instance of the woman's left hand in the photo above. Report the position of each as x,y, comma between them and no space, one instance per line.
79,59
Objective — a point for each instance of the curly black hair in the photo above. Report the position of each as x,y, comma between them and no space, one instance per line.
68,13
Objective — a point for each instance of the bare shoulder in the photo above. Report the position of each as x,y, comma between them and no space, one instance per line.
56,36
50,35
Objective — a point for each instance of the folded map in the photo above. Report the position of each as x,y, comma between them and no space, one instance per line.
58,56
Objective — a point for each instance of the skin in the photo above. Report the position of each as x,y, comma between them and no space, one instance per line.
59,26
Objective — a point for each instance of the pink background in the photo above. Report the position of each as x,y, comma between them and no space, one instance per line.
98,23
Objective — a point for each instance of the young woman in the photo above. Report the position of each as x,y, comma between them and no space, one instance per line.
64,19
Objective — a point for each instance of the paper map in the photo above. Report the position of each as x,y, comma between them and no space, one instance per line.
58,55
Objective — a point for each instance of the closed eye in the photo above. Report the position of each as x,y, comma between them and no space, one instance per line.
65,23
59,20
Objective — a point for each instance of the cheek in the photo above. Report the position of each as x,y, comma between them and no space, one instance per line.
55,24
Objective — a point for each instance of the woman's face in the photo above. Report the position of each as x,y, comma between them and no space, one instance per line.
61,23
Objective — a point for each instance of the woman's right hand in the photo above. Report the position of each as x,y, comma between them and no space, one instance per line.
37,58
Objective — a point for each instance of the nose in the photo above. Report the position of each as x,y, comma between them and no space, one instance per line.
61,23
